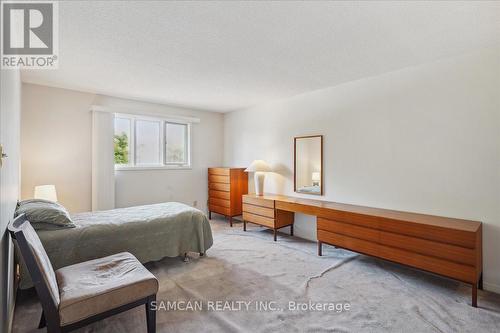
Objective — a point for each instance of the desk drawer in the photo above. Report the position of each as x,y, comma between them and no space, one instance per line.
258,201
413,244
444,267
258,210
397,224
257,219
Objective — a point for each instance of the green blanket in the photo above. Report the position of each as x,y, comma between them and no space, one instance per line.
149,232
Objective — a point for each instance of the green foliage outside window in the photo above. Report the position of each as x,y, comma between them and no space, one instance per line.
121,148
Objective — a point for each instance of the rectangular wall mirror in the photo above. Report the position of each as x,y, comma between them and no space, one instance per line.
308,168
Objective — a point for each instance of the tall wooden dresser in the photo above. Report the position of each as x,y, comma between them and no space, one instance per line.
226,187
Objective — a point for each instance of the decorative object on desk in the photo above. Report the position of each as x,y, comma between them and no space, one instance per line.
308,164
46,192
259,167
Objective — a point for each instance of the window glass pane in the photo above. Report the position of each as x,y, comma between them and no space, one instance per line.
176,143
147,142
122,141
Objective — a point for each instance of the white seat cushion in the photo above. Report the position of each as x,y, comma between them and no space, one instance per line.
99,285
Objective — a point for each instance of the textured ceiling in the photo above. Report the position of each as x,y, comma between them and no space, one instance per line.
223,56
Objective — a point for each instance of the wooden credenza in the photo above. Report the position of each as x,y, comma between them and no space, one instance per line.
445,246
225,189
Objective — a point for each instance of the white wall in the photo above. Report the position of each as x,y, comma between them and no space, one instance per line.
423,139
10,114
56,143
56,146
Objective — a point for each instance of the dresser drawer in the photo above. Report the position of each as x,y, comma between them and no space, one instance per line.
398,223
218,179
219,187
219,194
220,202
258,202
398,241
219,209
261,220
454,270
219,171
258,210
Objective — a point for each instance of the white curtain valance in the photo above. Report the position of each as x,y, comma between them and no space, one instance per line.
166,116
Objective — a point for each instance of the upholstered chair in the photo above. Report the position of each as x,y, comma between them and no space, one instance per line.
77,295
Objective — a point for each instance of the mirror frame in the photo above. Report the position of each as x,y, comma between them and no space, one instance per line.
295,162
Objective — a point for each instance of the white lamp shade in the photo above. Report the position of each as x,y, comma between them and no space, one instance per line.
316,177
258,166
46,192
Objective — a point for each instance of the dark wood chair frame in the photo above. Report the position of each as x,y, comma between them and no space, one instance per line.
50,313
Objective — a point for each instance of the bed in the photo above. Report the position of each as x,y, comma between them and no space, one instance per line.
149,232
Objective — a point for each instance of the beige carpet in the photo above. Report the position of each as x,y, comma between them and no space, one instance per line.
249,266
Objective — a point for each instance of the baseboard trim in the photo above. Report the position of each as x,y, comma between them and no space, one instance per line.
495,288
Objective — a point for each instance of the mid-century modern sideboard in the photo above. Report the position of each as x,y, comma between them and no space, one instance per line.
445,246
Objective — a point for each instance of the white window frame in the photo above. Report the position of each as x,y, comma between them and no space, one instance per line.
162,144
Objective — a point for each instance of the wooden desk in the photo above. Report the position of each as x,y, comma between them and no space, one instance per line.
445,246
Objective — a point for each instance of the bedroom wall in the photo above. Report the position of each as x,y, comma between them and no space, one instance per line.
56,144
423,139
10,114
56,149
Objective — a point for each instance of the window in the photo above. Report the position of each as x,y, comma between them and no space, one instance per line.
148,142
176,143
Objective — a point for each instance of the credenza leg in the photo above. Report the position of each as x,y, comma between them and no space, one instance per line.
474,295
480,283
231,221
320,248
275,234
291,230
244,225
209,215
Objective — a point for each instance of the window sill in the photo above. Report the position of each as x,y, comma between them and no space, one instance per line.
159,167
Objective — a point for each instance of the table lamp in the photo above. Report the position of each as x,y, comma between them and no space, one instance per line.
46,192
259,167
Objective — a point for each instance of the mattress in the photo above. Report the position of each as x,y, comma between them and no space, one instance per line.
149,232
